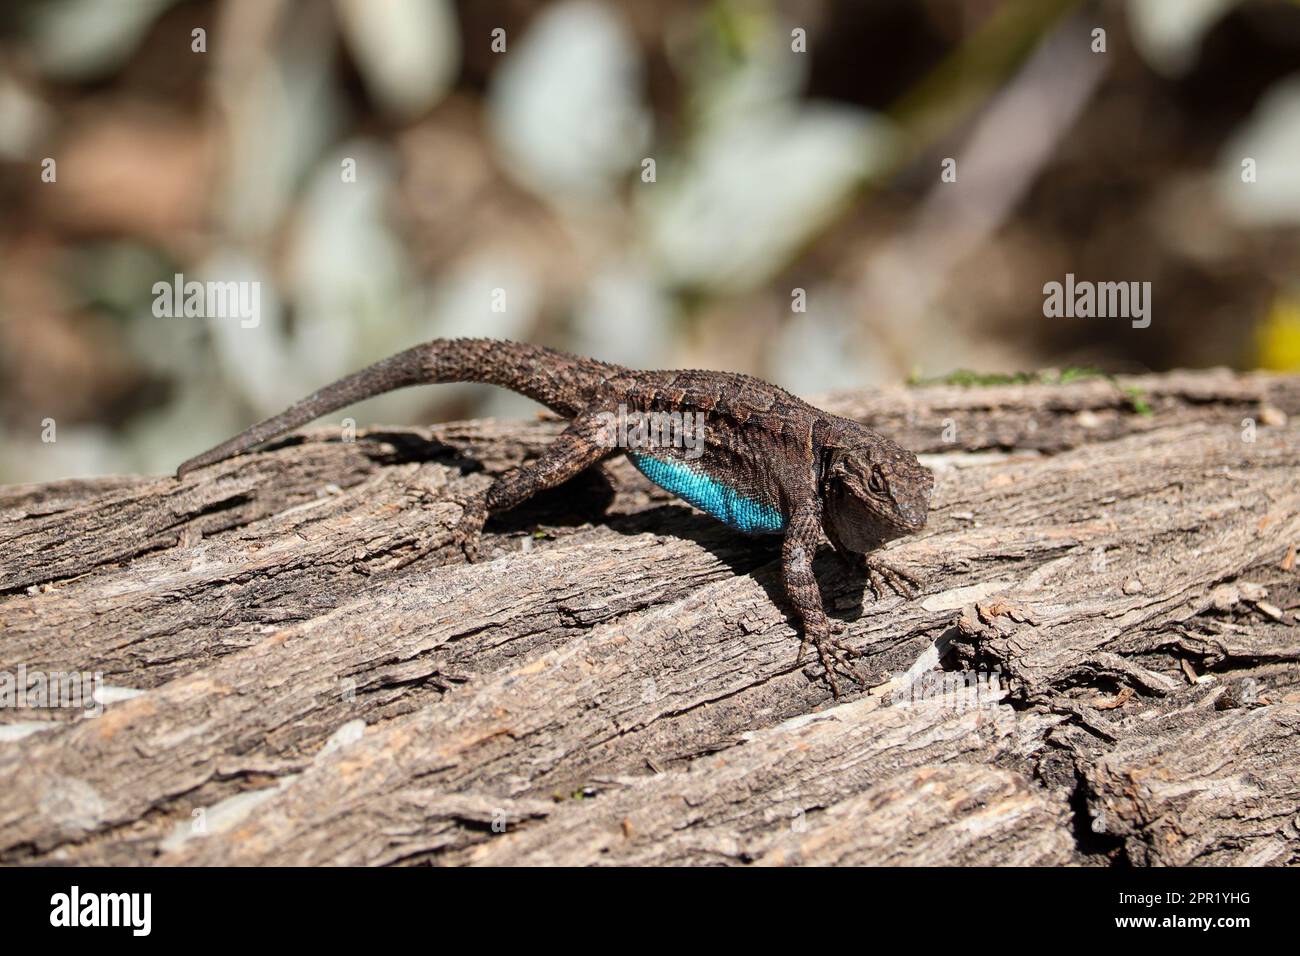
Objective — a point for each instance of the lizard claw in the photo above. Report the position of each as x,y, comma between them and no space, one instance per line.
834,655
881,575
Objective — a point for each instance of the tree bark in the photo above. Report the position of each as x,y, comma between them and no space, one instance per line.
301,669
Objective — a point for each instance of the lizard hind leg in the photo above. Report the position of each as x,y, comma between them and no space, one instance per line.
468,530
576,449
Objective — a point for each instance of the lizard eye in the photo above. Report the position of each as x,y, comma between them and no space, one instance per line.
876,484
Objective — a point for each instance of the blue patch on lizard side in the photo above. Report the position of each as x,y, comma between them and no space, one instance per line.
711,496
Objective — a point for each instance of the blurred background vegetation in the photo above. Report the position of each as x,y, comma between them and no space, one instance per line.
523,170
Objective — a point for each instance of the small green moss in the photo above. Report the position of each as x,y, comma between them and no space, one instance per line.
1075,373
1138,400
969,379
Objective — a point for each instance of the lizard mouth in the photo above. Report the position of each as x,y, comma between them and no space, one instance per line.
910,521
902,524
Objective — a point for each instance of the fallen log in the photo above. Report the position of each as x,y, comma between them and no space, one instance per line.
1103,664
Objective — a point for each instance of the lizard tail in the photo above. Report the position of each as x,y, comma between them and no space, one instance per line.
562,382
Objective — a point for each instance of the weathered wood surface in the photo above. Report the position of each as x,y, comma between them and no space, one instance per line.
319,678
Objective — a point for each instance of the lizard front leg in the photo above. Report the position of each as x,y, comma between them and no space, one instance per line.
576,449
880,573
801,538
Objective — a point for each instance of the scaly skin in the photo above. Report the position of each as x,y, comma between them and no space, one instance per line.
769,462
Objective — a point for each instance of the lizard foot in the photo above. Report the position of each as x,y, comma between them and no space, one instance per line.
468,531
834,655
881,575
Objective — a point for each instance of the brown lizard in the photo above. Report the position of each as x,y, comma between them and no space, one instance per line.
764,461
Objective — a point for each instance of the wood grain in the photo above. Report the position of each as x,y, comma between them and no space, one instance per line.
303,670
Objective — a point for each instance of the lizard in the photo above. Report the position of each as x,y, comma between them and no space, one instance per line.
769,463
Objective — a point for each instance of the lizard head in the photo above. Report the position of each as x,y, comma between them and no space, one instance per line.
874,490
